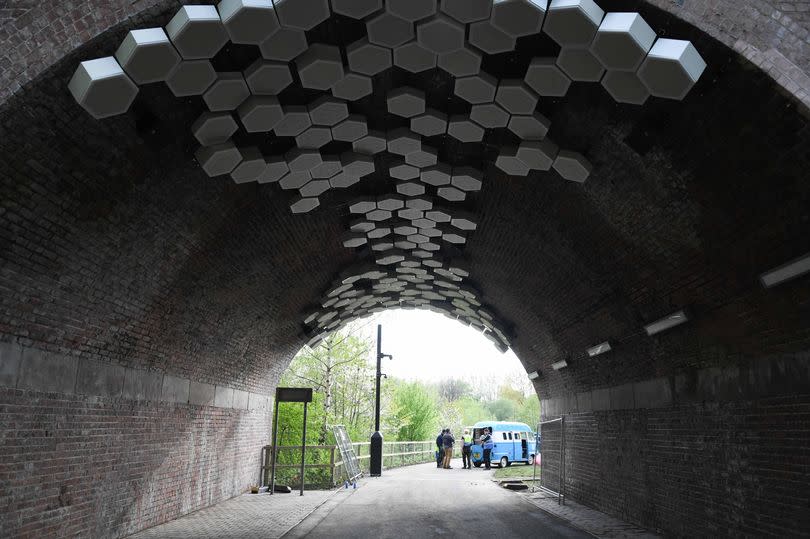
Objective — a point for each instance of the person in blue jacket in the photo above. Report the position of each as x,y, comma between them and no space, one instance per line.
440,448
488,445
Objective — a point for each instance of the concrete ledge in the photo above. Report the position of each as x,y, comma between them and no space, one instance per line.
621,397
224,397
43,371
175,389
201,394
142,385
600,399
98,378
655,393
240,399
10,359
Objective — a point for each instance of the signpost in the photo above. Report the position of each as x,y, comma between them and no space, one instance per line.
289,394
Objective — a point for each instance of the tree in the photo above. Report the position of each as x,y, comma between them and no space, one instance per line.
453,389
413,412
503,409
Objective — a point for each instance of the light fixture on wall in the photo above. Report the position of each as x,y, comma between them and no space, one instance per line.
600,348
559,365
785,272
669,321
533,375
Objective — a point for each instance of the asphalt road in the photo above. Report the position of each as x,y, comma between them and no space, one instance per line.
424,501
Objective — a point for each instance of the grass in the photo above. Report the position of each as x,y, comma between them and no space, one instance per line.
515,470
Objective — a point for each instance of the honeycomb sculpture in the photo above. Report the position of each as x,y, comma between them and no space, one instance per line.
409,242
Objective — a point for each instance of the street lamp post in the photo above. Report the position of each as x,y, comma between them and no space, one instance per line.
376,445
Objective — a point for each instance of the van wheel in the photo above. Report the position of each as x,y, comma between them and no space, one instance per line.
477,464
504,462
530,461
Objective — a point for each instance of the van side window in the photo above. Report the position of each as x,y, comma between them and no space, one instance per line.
510,435
504,435
522,435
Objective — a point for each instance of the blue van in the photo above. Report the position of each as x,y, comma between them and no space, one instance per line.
514,442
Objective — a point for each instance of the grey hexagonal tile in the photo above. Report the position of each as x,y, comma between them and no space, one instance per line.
390,258
314,137
378,215
545,78
314,188
410,213
379,232
356,9
411,10
438,216
390,203
356,164
404,244
302,160
320,67
477,89
389,30
437,175
275,170
403,171
529,127
191,77
219,159
417,238
268,78
368,58
284,46
354,240
671,68
572,166
489,39
260,113
363,206
489,115
328,111
248,21
197,32
102,88
440,34
410,189
352,128
414,57
294,122
467,11
371,144
625,87
580,65
514,96
328,168
406,102
422,158
304,205
227,92
147,55
342,180
452,237
622,41
214,128
451,193
461,128
465,223
294,180
430,123
382,246
352,86
573,23
508,162
419,203
518,18
302,14
402,141
251,167
463,62
537,155
467,178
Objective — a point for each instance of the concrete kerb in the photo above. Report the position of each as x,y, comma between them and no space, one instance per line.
287,532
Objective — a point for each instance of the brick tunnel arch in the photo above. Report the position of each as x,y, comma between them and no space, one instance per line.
152,309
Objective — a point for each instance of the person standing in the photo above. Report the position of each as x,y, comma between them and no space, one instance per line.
448,442
487,444
440,448
466,448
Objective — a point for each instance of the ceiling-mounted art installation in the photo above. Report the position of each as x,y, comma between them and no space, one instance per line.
410,241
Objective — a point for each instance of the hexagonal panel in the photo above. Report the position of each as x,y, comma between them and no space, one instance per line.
294,180
529,127
537,155
477,89
516,97
295,121
573,23
410,189
461,128
219,159
489,115
327,110
403,171
354,240
320,67
464,223
330,166
268,78
436,175
248,21
300,160
275,170
451,193
147,55
102,88
671,68
508,162
414,57
260,113
429,124
367,58
402,141
452,237
227,92
518,18
379,215
357,165
580,65
410,213
422,158
302,14
191,77
625,87
356,9
197,32
251,167
314,138
440,34
304,205
467,179
389,30
314,188
467,11
391,203
371,144
622,41
342,180
460,63
352,86
284,46
411,10
572,166
545,78
406,102
352,128
214,128
489,39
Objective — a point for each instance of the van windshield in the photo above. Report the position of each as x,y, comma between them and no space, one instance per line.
477,433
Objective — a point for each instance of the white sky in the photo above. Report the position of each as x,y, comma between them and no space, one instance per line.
428,346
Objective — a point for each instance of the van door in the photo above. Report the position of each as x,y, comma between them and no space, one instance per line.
524,446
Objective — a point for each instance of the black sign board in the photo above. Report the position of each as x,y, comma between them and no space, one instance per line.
293,394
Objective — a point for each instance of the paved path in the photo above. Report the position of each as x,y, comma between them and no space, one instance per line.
423,501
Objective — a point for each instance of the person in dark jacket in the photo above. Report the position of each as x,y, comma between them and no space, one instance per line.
448,448
466,448
440,448
487,443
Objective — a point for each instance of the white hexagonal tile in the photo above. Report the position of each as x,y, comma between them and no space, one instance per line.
489,39
382,246
219,159
214,128
430,123
379,215
403,171
422,158
363,206
404,244
260,113
514,96
295,121
625,87
352,86
461,128
390,203
328,168
414,57
294,180
410,213
572,166
489,115
622,41
356,164
251,167
320,67
463,62
580,65
390,258
440,34
389,30
508,162
197,32
402,141
451,193
354,240
379,232
477,89
314,188
284,46
671,68
147,55
429,231
248,21
436,175
518,18
410,189
573,23
356,9
529,127
227,92
411,10
417,238
352,128
537,155
452,237
545,78
275,170
342,180
371,144
191,77
302,14
304,205
268,78
314,137
464,223
467,178
368,58
300,160
102,88
467,11
422,203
